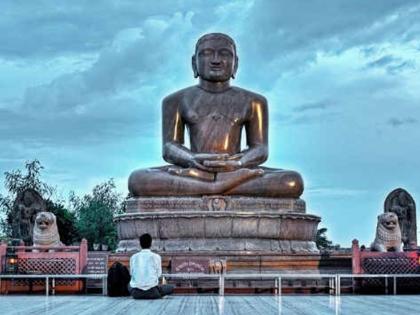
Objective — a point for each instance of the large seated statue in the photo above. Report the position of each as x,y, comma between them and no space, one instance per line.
214,195
215,113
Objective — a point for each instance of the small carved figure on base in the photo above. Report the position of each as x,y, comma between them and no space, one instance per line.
388,234
218,266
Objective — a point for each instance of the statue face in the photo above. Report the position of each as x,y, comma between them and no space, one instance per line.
215,60
389,220
44,220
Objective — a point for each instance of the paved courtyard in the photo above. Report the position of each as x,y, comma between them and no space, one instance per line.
209,305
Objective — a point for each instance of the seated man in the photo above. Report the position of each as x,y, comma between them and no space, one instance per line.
145,270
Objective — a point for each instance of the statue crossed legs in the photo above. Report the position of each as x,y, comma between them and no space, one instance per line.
259,182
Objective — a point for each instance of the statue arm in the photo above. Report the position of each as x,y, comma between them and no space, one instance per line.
173,127
256,134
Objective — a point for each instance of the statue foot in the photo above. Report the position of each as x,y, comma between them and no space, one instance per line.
229,180
243,173
192,172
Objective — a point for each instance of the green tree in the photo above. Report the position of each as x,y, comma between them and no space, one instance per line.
95,212
6,207
15,182
322,242
66,222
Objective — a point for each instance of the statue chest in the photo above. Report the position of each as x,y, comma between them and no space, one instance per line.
216,112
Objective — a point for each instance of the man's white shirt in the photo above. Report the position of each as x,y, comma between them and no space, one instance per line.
145,269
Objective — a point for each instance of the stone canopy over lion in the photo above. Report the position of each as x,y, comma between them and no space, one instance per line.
388,233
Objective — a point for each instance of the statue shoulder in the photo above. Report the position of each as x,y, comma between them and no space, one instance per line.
178,96
250,95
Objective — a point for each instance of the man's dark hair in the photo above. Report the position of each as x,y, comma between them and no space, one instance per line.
145,241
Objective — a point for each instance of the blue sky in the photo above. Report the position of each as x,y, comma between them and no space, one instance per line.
81,84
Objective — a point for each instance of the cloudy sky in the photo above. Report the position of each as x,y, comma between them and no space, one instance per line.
81,84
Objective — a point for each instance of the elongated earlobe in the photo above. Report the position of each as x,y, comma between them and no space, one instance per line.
235,67
194,67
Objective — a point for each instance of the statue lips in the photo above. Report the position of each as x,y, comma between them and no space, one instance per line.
43,222
390,225
43,225
217,72
218,68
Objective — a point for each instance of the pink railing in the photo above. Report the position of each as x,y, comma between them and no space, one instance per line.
45,260
369,262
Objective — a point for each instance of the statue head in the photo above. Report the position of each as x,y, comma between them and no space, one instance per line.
215,58
388,220
45,220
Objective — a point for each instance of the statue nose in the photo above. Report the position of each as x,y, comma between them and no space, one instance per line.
216,59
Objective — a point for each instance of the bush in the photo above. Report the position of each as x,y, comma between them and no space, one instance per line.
95,214
66,222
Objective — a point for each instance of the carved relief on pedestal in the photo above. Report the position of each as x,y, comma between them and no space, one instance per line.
216,203
218,266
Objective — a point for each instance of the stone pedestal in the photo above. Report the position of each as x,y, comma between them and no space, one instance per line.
219,224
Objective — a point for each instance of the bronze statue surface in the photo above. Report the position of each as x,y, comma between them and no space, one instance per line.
215,114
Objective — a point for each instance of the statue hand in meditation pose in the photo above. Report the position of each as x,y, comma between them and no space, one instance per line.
215,113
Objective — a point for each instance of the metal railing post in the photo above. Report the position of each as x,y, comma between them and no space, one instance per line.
276,286
331,287
47,286
104,287
221,285
279,285
338,285
395,285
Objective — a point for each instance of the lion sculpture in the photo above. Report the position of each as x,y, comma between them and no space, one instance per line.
388,234
45,230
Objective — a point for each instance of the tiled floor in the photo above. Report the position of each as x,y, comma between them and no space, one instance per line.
209,305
